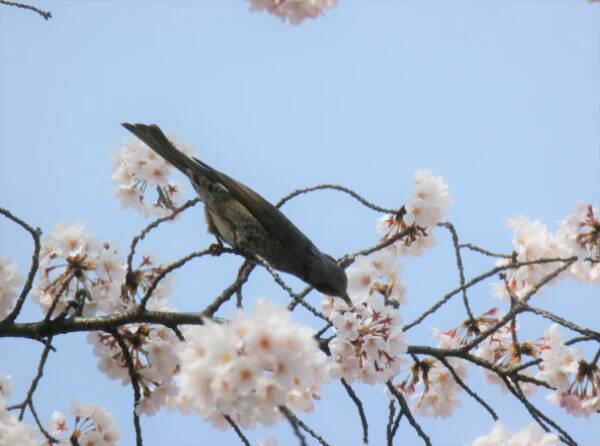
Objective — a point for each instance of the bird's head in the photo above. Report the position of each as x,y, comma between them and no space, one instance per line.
326,276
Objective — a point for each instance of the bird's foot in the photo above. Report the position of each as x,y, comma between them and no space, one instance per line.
216,249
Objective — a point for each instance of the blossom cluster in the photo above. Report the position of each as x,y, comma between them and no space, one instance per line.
578,235
532,435
368,340
439,392
424,209
92,425
152,349
77,271
293,10
137,170
250,366
576,381
503,351
13,432
10,279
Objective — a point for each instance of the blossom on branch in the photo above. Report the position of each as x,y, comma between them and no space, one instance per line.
531,241
10,280
439,394
92,425
532,435
137,171
12,431
577,381
248,367
293,10
501,350
368,338
152,349
425,208
580,232
78,271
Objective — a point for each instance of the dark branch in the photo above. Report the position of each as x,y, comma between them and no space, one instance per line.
47,15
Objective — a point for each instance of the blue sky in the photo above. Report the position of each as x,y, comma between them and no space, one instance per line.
501,99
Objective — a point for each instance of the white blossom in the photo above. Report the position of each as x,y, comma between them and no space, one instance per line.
249,366
77,270
531,435
92,426
293,10
10,280
580,232
58,423
501,351
376,274
576,381
368,338
137,171
424,209
428,203
531,241
12,431
153,350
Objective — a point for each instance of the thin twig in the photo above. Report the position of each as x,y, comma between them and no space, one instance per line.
237,430
303,425
34,383
49,437
459,265
290,292
467,389
390,423
133,377
568,261
405,409
175,265
339,188
538,415
138,238
360,408
35,261
483,251
293,422
47,15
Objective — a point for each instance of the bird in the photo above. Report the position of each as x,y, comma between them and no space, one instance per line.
240,217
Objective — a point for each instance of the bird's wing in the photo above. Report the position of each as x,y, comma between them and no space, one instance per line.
271,218
274,222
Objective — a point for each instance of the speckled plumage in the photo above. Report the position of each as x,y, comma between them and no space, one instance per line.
247,222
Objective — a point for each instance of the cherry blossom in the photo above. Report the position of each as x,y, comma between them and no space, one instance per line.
77,271
501,350
153,352
137,170
532,435
424,209
249,366
12,431
368,339
438,396
580,231
531,241
10,280
577,381
293,10
92,426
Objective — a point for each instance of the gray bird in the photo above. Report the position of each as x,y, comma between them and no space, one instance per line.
247,222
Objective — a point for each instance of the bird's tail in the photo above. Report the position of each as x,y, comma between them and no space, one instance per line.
154,138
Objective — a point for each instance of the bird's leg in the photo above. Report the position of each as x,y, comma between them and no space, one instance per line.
216,248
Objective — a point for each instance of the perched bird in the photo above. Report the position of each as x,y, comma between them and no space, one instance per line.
247,222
